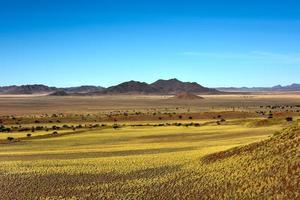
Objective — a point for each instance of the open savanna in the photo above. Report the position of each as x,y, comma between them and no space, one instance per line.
221,147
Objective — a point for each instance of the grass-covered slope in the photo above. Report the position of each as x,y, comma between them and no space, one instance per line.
265,170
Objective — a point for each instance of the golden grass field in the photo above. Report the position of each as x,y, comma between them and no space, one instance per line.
245,156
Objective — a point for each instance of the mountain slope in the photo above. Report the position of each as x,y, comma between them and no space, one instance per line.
175,86
131,87
27,89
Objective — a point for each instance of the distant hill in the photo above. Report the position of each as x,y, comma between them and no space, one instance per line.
174,86
43,89
131,87
171,86
278,88
27,89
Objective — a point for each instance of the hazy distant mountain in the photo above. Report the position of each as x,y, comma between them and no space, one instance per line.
43,89
278,88
293,87
242,89
174,86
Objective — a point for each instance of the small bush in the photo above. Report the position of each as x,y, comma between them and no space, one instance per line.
115,126
270,116
65,126
289,119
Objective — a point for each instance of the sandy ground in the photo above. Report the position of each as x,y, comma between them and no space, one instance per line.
38,104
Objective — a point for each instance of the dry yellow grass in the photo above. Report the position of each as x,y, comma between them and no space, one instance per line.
127,163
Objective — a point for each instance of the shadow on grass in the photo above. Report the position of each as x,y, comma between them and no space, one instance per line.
78,155
30,186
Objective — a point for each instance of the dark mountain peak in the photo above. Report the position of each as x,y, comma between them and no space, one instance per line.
132,83
176,86
172,80
131,87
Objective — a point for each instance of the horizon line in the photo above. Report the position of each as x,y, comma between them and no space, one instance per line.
70,86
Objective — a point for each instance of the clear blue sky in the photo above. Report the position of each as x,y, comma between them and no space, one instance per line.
105,42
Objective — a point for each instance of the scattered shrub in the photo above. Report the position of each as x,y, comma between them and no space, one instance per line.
65,126
115,126
289,119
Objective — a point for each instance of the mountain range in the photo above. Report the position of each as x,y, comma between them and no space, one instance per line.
171,86
278,88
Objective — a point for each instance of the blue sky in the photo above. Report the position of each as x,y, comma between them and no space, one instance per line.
105,42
